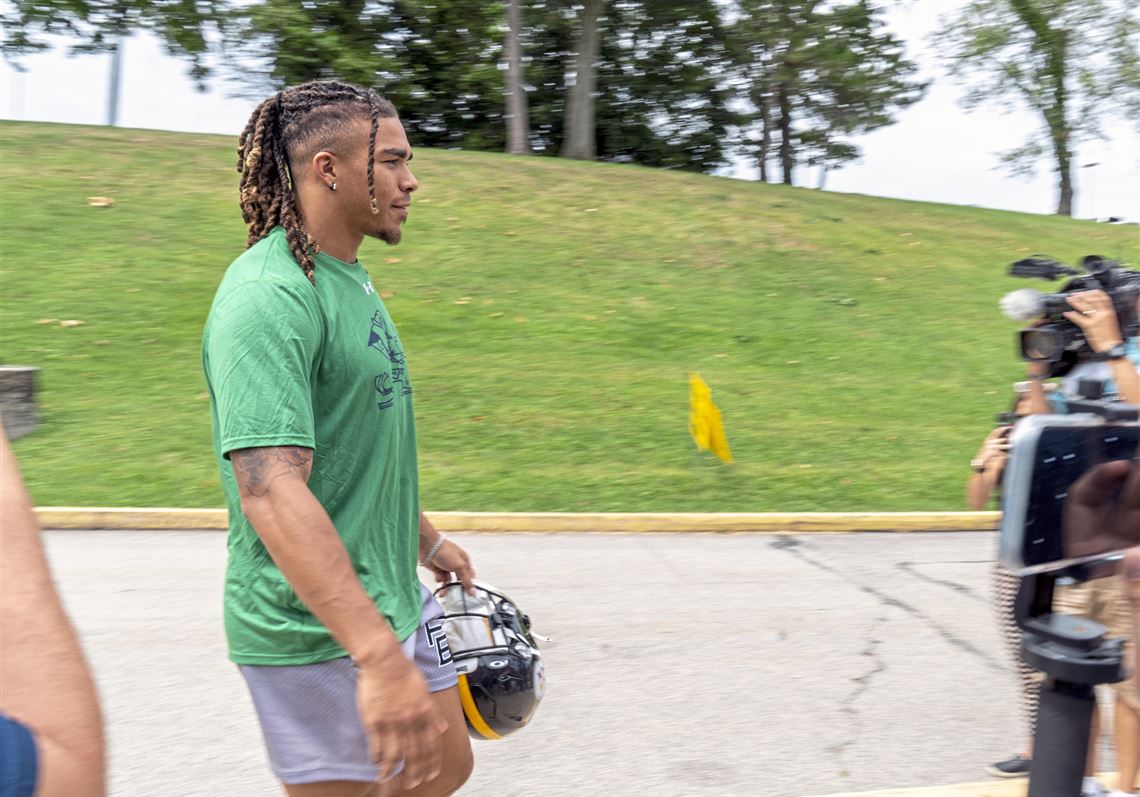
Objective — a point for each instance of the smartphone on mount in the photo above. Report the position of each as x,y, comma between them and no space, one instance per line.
1071,492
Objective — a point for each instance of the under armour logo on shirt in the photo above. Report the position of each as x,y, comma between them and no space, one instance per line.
368,287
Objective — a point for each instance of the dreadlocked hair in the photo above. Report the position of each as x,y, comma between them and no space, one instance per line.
286,130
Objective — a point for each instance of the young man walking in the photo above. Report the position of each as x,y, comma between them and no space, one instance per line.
340,645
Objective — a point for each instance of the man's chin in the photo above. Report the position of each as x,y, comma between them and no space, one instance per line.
390,237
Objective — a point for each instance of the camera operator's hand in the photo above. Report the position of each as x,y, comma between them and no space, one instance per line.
992,454
987,465
1094,314
1102,512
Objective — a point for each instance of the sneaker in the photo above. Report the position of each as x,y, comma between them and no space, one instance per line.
1091,787
1016,767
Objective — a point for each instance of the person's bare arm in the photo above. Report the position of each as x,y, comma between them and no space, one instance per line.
1127,379
297,532
1038,403
44,680
991,458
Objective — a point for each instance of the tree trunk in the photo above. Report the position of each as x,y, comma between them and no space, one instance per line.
1058,119
765,103
786,162
581,132
1054,43
1065,170
518,124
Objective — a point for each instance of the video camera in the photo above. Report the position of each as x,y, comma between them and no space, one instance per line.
1058,341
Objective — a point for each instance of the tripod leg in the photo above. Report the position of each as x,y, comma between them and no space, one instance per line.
1061,745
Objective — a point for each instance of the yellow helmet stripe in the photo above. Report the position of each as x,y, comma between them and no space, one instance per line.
472,711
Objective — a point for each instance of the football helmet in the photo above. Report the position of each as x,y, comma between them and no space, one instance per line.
501,675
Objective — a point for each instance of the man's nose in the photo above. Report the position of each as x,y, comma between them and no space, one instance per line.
409,183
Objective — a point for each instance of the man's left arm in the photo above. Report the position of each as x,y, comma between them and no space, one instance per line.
446,560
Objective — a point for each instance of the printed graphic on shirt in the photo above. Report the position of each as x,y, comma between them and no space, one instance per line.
437,639
383,339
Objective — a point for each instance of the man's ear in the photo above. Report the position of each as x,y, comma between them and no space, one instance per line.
324,167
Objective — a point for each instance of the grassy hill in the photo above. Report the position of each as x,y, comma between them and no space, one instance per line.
552,311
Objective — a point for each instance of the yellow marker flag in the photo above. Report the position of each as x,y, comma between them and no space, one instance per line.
705,424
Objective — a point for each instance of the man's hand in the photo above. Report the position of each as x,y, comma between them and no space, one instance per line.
450,562
1094,314
400,719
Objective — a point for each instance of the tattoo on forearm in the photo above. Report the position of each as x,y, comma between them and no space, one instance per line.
257,468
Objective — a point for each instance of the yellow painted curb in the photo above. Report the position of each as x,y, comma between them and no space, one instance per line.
78,517
714,522
62,517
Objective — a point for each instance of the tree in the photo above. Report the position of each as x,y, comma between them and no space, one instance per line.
1072,62
580,141
660,92
663,85
102,25
518,121
828,71
436,60
754,44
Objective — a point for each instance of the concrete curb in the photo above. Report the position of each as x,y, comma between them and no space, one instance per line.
993,788
1016,787
63,517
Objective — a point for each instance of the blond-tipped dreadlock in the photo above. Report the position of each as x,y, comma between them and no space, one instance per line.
287,129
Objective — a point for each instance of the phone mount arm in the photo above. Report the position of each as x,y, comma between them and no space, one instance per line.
1074,655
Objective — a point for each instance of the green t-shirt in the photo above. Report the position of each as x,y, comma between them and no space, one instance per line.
290,364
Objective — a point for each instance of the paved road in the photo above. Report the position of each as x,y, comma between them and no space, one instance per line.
683,665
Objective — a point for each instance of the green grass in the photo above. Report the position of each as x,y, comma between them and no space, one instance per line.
552,311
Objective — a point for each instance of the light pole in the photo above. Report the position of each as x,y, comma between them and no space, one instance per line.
113,91
1092,186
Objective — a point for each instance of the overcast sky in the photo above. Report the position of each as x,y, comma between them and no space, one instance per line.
935,152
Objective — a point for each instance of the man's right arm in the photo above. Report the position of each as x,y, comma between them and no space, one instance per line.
299,535
401,720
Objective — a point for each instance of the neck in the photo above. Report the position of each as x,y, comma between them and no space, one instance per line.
334,240
326,225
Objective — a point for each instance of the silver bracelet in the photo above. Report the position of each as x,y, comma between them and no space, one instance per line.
434,550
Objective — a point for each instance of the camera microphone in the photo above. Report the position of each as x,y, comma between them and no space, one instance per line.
1023,305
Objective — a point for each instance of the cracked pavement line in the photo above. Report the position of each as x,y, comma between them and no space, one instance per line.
961,589
862,684
792,545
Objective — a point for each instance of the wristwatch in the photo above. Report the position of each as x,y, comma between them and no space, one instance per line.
979,465
1117,352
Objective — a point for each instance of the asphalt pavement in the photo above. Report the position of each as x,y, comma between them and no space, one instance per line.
682,665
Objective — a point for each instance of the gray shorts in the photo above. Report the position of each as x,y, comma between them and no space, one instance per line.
308,712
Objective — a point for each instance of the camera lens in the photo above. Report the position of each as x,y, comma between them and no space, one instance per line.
1044,344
